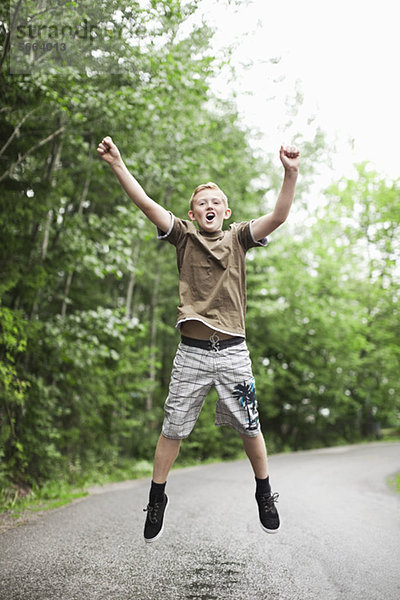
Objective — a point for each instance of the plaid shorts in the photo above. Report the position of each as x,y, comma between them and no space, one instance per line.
195,371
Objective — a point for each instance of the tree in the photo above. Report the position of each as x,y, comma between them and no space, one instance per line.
324,319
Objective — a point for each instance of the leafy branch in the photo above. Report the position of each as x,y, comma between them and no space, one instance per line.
9,172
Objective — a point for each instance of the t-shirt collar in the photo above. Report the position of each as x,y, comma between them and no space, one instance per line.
212,235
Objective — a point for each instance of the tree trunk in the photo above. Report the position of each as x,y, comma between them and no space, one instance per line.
66,292
82,201
54,164
131,283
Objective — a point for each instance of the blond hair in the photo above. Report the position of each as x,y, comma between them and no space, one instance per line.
207,186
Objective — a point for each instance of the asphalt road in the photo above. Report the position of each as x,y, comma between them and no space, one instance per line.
340,536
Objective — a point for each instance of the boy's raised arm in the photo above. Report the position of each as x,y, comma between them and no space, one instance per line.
263,226
157,214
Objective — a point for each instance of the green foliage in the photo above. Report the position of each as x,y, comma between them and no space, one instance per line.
323,320
13,388
394,482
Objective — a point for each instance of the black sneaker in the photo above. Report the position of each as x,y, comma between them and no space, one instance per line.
154,525
269,518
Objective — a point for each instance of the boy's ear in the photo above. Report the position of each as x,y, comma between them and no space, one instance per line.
191,215
228,213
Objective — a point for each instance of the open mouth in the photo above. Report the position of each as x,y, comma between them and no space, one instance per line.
210,216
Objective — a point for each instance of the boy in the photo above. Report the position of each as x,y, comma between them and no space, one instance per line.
213,351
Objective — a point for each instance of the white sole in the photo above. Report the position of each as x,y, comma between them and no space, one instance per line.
272,531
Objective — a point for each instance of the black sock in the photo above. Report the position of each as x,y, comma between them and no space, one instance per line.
262,486
157,491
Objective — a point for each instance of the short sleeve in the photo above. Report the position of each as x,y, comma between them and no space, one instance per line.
176,232
163,235
245,236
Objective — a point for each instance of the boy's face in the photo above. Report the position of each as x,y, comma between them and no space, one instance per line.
209,210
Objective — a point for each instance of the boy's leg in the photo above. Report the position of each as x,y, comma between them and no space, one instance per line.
191,379
166,452
257,454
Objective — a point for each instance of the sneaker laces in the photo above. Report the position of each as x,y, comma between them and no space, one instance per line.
268,501
152,511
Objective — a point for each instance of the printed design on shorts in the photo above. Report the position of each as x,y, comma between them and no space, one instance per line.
246,394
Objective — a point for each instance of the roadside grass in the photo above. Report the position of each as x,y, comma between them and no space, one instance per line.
17,501
390,434
394,482
53,494
17,504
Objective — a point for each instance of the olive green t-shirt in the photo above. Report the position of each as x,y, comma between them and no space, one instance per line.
212,273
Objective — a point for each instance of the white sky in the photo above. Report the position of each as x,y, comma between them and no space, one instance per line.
345,57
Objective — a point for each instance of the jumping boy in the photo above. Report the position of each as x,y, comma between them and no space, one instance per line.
211,315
